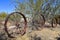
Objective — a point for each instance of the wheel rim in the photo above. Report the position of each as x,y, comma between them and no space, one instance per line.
40,20
54,22
15,19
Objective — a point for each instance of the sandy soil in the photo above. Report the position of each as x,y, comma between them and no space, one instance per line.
44,34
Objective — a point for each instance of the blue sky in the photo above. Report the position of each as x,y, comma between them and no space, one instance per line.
6,6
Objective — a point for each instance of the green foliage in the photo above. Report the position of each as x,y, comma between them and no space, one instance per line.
51,8
15,17
29,7
48,8
3,15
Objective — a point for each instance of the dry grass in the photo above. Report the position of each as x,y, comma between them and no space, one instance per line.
45,34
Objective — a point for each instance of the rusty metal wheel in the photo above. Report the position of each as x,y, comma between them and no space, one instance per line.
38,20
54,22
43,19
15,24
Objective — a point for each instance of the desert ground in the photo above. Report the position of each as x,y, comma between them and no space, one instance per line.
46,33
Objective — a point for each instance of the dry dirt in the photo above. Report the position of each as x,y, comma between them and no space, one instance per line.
44,34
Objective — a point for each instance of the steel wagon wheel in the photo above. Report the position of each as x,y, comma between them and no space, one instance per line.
15,23
43,19
54,22
38,20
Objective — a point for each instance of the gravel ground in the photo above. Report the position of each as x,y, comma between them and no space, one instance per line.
42,34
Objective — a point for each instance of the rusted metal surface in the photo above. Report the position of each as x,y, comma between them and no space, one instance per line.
25,22
39,22
54,22
43,19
